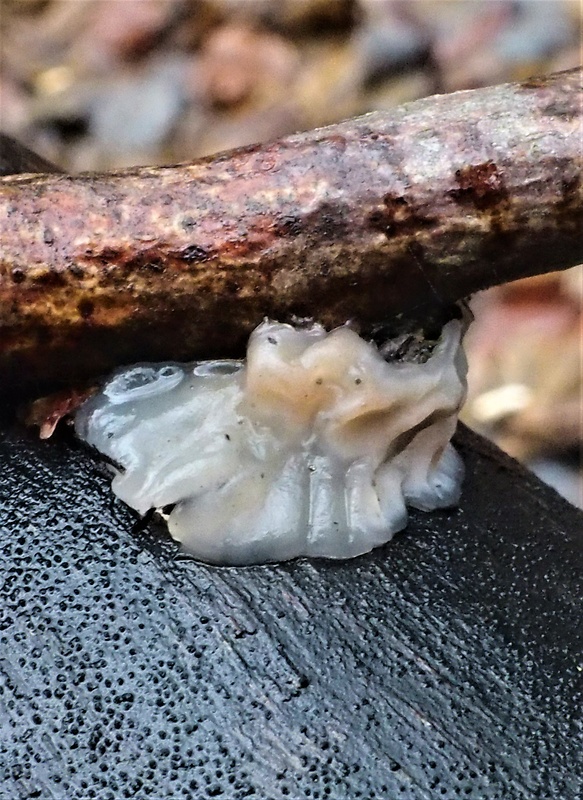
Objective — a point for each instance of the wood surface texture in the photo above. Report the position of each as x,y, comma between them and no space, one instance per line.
386,217
448,663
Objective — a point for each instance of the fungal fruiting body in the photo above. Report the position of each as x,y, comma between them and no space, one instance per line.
314,445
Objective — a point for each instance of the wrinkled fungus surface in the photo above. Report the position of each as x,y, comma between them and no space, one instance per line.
315,445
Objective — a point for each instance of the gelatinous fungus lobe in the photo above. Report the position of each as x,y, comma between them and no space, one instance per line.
314,446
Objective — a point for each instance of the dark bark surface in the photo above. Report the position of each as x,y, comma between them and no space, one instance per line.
446,664
395,213
15,158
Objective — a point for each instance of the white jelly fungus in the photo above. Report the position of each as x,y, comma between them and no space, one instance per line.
313,446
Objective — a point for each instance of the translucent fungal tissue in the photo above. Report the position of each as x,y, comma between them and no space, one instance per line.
315,445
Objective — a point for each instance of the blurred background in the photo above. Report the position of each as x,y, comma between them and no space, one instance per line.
101,84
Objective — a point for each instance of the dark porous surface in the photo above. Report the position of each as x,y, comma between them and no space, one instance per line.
447,664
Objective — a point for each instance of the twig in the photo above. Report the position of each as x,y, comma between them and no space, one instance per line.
389,214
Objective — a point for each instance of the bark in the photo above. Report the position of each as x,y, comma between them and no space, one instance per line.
444,665
15,158
386,217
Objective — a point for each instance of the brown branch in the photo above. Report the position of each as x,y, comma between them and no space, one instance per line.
393,213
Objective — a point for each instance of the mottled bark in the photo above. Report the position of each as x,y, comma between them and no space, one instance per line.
387,216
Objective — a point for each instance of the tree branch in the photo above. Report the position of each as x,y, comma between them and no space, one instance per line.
393,213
